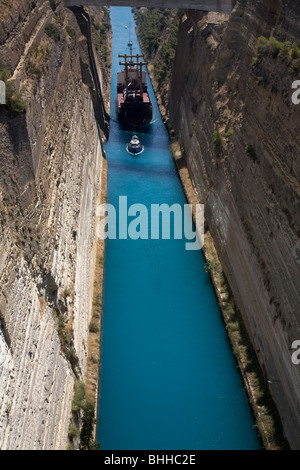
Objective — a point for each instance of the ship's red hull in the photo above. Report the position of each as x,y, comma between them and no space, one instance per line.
134,114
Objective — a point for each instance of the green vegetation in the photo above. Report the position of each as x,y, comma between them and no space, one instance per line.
288,51
70,31
260,80
157,31
15,101
58,20
93,359
77,405
294,68
97,304
86,433
66,337
210,266
100,32
79,392
267,417
229,133
93,328
218,144
151,25
52,31
67,292
36,59
97,312
261,42
250,151
73,430
81,405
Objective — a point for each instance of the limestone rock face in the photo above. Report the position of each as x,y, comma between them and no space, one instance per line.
50,177
250,188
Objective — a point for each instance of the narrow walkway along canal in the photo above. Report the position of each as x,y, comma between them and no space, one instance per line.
168,378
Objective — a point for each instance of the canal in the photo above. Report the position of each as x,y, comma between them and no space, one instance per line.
168,378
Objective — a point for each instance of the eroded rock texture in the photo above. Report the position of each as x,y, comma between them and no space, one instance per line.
50,176
251,187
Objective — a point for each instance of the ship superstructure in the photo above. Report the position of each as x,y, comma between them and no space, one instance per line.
134,105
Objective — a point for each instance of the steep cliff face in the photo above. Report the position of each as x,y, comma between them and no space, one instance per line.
50,177
240,131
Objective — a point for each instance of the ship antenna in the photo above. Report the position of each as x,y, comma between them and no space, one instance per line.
130,41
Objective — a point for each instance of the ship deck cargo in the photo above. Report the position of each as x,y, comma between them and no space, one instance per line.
134,104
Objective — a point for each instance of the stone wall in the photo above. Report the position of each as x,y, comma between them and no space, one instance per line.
251,198
50,176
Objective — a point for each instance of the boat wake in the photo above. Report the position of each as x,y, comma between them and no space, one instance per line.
136,153
153,120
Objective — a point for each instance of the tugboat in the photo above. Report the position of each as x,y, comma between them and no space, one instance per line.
135,147
134,105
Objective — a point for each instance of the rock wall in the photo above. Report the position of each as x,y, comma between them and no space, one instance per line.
250,188
50,177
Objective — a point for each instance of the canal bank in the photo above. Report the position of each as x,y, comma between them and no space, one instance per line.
86,385
155,363
263,407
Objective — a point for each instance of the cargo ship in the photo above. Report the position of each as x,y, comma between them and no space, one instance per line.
134,104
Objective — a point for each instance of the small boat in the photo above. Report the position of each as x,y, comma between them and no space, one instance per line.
135,147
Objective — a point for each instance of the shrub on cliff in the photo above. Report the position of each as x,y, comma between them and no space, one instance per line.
73,431
295,67
15,101
86,433
295,51
36,59
79,393
52,31
251,153
70,31
58,20
93,328
218,144
261,45
288,51
276,47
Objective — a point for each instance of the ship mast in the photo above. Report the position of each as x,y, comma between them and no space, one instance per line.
139,66
130,41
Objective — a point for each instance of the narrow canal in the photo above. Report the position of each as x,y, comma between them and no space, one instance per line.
168,378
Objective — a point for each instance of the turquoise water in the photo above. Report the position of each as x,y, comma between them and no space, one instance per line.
168,379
